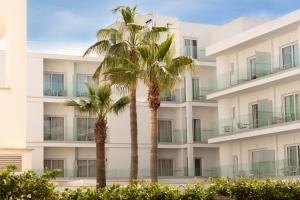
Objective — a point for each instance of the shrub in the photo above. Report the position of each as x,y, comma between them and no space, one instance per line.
27,185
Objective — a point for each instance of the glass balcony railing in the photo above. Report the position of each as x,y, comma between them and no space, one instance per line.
202,135
244,75
199,94
261,169
177,96
198,53
57,93
249,122
89,172
83,131
176,137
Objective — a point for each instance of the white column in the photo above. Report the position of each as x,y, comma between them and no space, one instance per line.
70,79
189,128
190,156
70,124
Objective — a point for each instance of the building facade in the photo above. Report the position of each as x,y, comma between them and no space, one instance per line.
63,138
237,113
258,105
13,85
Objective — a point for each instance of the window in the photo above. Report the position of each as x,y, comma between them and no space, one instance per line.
198,166
197,130
86,168
263,163
293,160
254,115
54,128
190,47
289,56
81,79
291,107
55,164
252,67
53,84
85,128
196,88
166,96
164,131
165,167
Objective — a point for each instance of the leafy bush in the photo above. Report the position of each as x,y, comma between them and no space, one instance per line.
29,185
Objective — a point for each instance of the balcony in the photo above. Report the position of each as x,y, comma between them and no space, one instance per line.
54,130
176,96
260,121
173,137
54,84
79,87
263,169
192,50
202,135
258,72
199,94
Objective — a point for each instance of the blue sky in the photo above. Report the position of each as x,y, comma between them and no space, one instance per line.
76,21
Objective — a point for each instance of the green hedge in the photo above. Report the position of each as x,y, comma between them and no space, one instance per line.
29,185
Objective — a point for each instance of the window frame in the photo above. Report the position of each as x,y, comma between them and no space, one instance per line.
291,44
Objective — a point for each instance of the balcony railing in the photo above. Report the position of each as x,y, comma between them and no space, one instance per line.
199,55
249,122
200,94
202,135
84,173
229,79
176,137
262,169
57,93
177,96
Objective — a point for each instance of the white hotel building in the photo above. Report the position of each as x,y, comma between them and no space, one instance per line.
236,114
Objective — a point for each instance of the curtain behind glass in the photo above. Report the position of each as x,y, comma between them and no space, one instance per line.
197,130
187,47
165,167
195,56
58,164
287,57
164,131
82,168
57,128
92,168
47,83
81,129
58,84
196,89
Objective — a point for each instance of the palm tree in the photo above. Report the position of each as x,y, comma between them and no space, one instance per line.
121,65
100,103
161,73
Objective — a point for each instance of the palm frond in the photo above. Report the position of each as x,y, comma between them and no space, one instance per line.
164,47
120,105
99,47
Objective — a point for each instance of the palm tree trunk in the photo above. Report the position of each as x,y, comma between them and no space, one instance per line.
100,137
154,103
134,136
154,146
